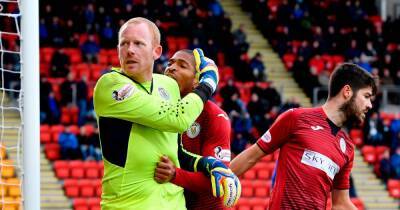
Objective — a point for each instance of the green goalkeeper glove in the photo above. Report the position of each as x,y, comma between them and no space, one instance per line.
208,71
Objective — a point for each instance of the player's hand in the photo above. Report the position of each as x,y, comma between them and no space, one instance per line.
224,182
165,170
225,185
207,69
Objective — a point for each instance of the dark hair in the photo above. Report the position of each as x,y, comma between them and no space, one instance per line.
352,75
187,51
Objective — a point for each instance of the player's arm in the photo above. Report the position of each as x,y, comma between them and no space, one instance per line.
124,100
247,159
341,184
341,200
137,106
216,143
166,171
224,184
270,141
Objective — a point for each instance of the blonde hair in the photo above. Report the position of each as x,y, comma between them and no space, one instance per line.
137,20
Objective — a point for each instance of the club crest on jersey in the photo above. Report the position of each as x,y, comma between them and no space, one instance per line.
163,93
125,92
222,154
266,137
342,143
194,130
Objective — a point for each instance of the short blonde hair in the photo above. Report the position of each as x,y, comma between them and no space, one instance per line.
137,20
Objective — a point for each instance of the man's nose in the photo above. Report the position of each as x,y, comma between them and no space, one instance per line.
369,105
131,49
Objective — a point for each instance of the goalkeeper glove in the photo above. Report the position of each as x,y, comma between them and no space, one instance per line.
224,182
207,69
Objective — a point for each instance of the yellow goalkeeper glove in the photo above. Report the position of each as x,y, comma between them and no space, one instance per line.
225,184
208,71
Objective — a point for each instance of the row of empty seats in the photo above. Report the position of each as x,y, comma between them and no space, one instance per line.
78,169
86,203
82,188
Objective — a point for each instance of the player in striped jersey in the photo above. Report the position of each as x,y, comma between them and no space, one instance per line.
316,156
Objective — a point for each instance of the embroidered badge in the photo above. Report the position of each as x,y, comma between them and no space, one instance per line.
194,130
163,93
342,143
222,154
123,93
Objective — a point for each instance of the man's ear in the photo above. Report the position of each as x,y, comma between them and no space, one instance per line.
347,92
157,51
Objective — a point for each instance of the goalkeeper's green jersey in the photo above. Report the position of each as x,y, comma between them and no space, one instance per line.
138,124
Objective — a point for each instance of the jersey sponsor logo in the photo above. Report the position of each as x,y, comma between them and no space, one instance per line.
320,161
317,128
194,130
223,116
342,144
222,154
266,137
163,93
125,92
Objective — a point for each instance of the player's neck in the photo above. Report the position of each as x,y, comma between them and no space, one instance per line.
140,77
332,110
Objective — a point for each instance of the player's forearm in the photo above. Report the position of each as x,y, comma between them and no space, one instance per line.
341,200
245,160
192,181
348,205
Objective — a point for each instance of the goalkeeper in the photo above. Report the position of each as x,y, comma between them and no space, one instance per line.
139,114
209,135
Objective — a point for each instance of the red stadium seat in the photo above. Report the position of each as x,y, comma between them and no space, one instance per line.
288,60
264,174
45,137
380,150
94,203
357,136
89,129
71,188
261,192
97,186
52,151
103,59
80,204
261,183
267,158
250,174
86,187
259,207
91,169
55,131
77,170
393,186
74,129
247,191
369,154
259,202
243,201
260,165
61,168
100,166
